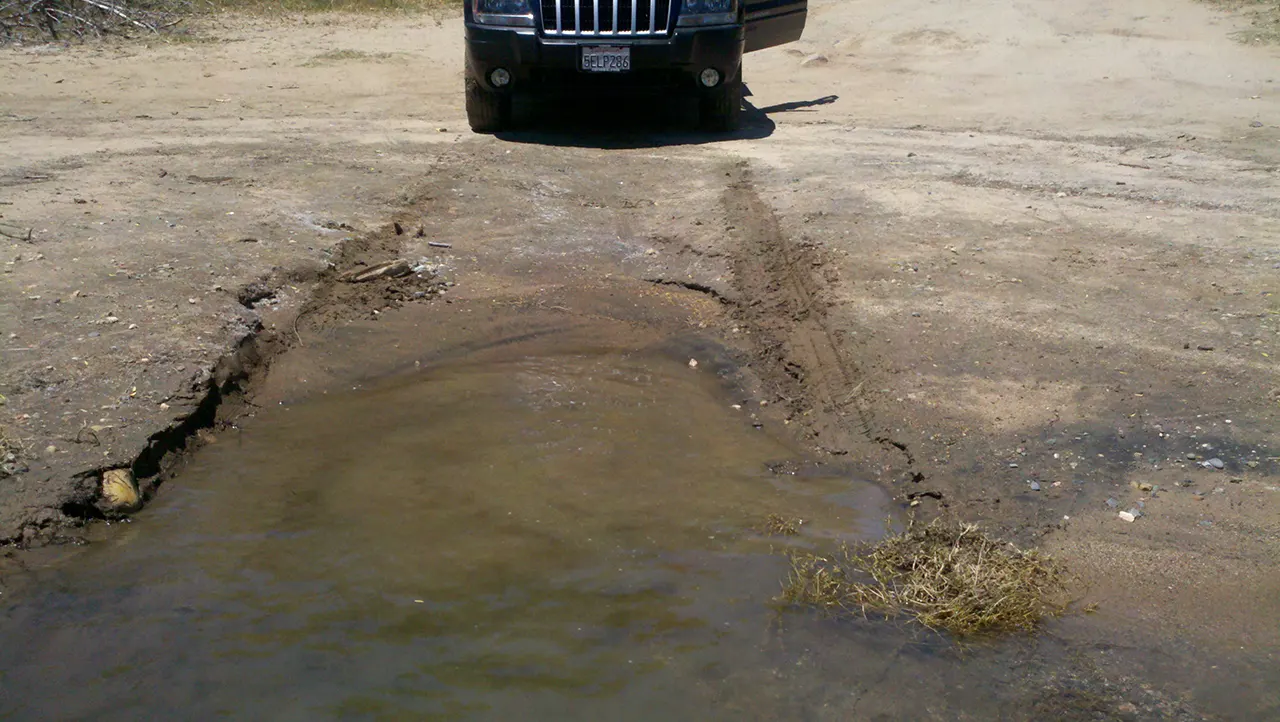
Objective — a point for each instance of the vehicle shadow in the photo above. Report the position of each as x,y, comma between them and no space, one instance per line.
626,123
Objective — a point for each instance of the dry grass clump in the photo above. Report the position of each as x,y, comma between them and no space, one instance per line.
1264,19
947,576
779,525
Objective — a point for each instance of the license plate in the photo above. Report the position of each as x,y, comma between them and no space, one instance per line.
606,59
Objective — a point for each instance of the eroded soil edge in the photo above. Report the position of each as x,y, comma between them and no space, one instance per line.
221,393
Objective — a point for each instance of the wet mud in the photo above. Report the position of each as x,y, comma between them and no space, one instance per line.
545,509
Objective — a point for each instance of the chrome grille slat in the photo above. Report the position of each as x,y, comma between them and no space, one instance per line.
617,18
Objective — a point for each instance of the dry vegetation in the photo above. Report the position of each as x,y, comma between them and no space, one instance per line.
355,6
947,576
1264,19
67,19
779,525
43,20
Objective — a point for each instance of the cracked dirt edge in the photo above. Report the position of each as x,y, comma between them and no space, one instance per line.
221,391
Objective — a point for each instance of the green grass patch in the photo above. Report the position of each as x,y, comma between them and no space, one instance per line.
947,576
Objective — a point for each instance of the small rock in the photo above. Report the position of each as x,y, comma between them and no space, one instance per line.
1214,463
1219,490
1112,503
693,363
1192,457
1205,523
1035,485
1127,516
1237,480
1145,487
1256,124
120,491
192,301
1252,464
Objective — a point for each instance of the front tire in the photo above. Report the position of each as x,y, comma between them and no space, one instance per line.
721,110
487,111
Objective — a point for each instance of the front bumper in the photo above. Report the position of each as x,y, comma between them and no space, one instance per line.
534,59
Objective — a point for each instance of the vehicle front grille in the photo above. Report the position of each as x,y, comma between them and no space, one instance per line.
606,17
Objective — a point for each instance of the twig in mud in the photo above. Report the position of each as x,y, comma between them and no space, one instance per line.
856,390
437,244
18,233
304,311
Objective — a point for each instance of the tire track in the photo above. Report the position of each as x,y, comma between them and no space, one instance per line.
784,298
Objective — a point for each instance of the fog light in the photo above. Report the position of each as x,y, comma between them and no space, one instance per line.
500,78
710,78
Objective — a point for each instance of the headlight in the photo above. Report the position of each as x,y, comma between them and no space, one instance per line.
503,12
708,12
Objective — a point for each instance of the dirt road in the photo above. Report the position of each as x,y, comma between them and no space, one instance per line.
1018,262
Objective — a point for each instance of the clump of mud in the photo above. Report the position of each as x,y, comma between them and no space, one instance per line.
945,575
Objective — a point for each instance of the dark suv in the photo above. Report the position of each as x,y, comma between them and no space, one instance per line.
693,45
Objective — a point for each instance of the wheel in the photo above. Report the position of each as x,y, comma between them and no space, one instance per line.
487,112
722,107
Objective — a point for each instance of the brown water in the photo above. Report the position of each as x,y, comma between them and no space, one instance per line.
556,537
538,538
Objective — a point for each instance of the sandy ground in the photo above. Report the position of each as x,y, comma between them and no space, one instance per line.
1018,261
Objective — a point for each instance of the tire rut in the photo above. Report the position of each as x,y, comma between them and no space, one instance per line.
783,287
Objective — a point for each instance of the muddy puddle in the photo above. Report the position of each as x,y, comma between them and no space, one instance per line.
556,525
550,537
